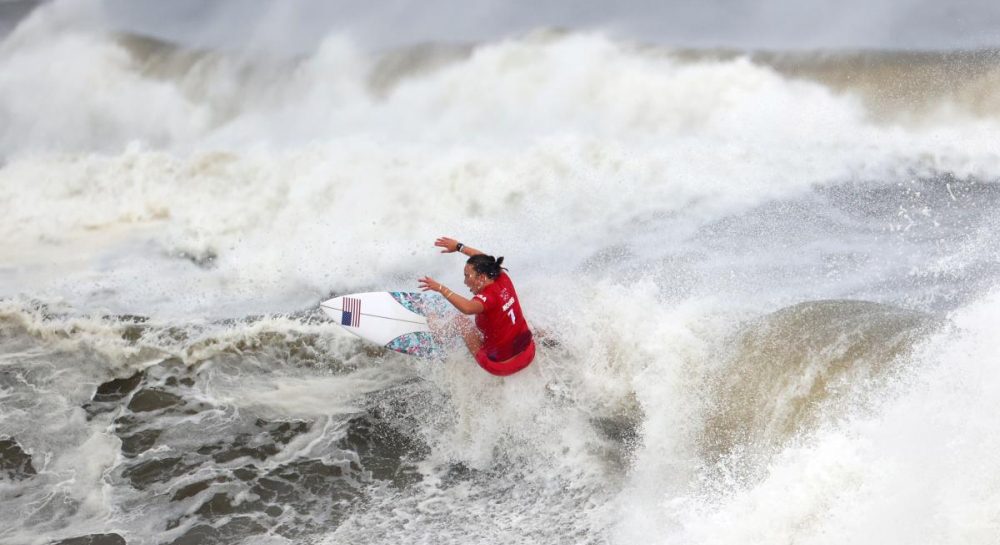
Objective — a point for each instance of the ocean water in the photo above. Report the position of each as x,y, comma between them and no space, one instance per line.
769,283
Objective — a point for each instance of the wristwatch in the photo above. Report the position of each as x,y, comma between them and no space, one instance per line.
459,246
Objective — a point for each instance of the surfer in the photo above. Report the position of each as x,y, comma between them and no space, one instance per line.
500,341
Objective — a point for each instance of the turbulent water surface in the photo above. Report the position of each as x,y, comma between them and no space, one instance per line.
769,283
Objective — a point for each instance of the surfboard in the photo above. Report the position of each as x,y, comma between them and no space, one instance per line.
396,320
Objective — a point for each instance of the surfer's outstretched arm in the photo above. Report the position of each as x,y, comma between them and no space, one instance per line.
451,245
465,306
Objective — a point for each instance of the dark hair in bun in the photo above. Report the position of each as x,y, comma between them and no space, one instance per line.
487,264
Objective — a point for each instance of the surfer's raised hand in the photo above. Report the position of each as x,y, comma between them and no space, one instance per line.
449,244
429,284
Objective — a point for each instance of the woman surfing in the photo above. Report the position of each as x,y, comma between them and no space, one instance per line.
500,341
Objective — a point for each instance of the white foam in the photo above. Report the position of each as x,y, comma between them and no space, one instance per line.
919,469
312,182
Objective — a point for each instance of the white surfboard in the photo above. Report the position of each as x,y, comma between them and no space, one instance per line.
396,320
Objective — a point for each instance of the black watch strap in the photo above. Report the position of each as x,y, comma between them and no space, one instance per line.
459,246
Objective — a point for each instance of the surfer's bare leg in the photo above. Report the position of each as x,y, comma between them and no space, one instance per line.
437,324
470,333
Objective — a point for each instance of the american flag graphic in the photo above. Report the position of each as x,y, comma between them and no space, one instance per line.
351,312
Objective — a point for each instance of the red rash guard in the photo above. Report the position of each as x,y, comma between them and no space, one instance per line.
505,331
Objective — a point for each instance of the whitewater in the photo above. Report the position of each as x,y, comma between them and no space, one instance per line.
770,282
